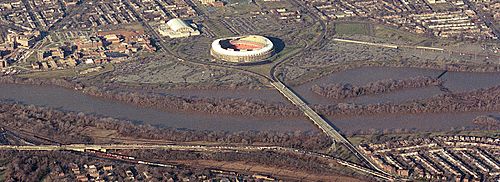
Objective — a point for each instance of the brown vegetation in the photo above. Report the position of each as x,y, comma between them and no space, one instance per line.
69,127
57,165
452,67
281,160
285,174
487,99
489,122
346,90
478,100
170,102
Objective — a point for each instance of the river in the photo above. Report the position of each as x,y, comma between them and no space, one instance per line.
69,100
454,81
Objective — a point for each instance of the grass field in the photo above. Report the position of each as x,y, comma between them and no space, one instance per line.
234,8
395,34
50,74
380,31
69,72
353,28
275,5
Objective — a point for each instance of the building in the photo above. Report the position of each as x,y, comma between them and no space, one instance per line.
435,1
214,3
243,49
207,1
23,40
3,63
177,28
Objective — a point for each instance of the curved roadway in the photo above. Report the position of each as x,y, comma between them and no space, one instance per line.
325,126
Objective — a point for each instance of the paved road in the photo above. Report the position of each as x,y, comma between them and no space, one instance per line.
327,127
281,87
324,125
487,20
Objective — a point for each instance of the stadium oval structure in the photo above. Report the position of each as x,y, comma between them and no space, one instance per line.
242,49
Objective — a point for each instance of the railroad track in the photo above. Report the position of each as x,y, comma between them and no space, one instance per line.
273,80
103,148
328,128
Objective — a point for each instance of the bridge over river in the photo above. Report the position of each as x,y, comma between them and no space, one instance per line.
327,127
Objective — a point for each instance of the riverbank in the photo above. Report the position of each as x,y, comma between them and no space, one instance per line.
243,111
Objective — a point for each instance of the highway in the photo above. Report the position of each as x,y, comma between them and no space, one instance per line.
279,85
327,127
310,113
319,121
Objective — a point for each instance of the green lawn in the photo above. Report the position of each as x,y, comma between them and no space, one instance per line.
352,28
275,5
50,74
107,68
395,34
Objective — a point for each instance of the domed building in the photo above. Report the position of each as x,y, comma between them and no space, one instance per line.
177,28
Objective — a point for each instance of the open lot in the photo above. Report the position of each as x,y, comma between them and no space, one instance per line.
353,28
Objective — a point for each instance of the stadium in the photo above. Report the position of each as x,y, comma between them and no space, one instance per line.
243,49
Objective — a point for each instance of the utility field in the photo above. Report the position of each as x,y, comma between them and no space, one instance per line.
353,28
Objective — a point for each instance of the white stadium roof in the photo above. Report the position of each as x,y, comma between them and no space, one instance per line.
177,24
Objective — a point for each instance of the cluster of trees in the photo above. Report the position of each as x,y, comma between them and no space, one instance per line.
488,121
230,106
289,161
70,127
26,167
486,99
478,100
30,81
295,78
346,90
56,166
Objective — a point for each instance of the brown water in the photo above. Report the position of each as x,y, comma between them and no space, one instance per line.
454,81
268,95
421,122
70,100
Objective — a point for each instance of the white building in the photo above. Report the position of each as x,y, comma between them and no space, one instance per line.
207,1
177,28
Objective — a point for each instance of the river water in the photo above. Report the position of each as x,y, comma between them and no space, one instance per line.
70,100
454,81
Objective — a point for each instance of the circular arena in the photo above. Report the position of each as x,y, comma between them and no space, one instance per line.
242,49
